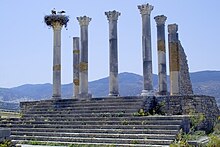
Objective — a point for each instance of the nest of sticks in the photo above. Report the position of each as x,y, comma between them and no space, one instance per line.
50,19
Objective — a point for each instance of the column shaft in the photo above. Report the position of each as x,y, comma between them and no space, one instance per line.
174,59
145,11
161,50
76,57
112,16
57,62
56,22
83,75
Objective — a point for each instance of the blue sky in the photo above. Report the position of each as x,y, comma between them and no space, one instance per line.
26,42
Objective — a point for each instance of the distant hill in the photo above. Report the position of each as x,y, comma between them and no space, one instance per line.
204,82
207,83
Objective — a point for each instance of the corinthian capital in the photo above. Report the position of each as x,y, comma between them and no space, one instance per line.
84,20
172,28
160,19
112,15
145,9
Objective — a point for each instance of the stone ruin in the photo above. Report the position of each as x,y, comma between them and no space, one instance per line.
181,93
180,99
185,82
113,120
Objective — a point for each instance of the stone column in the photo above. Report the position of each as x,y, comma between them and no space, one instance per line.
112,17
57,60
56,22
76,53
145,11
174,59
83,66
161,50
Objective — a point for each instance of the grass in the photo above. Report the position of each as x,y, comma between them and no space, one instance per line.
6,114
6,143
214,137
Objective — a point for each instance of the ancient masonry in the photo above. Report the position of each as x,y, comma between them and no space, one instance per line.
115,120
185,82
56,22
174,59
145,11
83,65
161,50
112,17
76,52
180,83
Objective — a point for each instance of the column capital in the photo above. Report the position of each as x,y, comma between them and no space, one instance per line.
56,25
84,20
112,15
160,19
145,9
172,28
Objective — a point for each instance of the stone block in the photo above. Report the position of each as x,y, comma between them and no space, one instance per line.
4,133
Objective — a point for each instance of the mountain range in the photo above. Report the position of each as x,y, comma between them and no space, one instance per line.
130,84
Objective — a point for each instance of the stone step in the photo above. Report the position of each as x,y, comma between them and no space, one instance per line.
108,114
104,126
98,135
99,122
87,104
95,118
130,116
89,144
92,100
51,111
122,131
88,108
95,140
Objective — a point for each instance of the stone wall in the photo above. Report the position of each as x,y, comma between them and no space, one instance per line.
191,104
4,134
185,82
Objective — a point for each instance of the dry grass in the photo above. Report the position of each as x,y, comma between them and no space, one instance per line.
4,114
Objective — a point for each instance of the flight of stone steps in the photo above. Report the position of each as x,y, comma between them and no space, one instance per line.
100,121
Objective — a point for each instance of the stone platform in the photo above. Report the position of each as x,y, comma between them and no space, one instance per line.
101,121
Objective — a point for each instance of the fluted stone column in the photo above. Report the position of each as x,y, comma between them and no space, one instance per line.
112,17
56,22
76,54
145,11
57,60
174,59
83,75
161,50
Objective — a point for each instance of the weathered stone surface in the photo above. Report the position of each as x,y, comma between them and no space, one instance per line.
192,104
88,120
145,11
161,50
174,59
185,82
76,57
4,134
56,22
83,67
112,16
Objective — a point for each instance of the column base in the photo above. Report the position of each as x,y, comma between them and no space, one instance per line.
163,93
148,93
84,95
113,95
56,97
75,97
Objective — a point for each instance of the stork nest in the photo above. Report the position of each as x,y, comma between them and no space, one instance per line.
50,19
